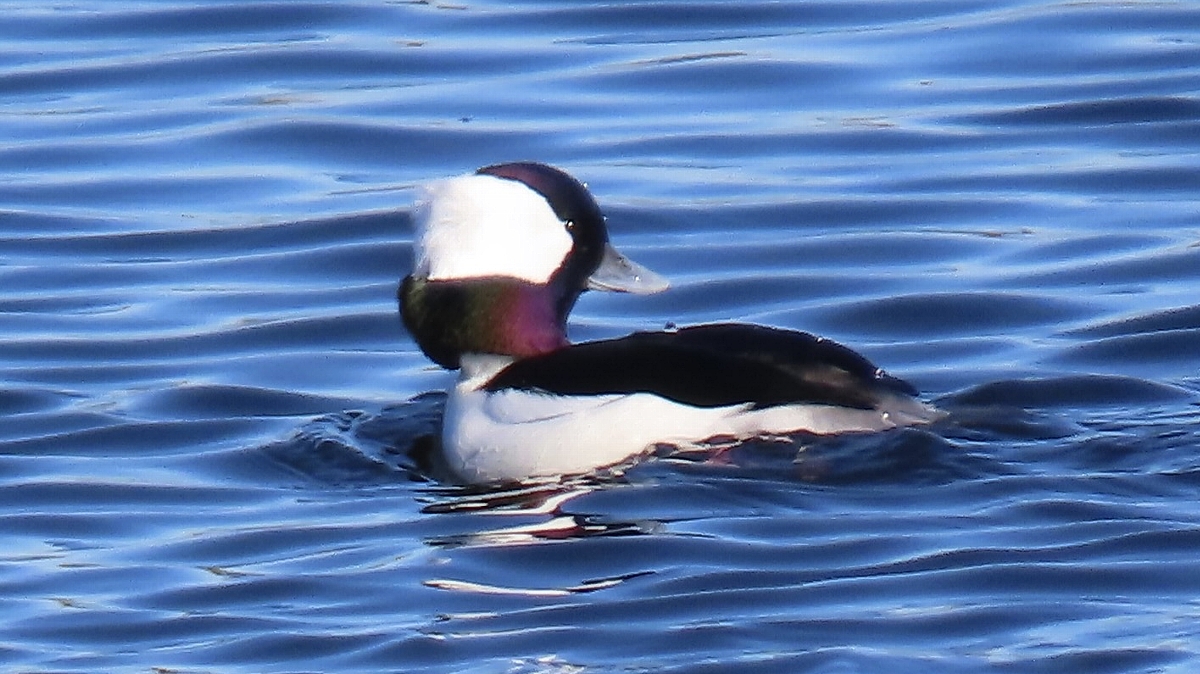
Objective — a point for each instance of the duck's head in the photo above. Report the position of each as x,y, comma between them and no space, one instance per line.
500,257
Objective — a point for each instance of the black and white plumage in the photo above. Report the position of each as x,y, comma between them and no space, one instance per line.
501,257
711,366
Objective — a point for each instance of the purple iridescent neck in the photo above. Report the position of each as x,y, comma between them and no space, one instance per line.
497,315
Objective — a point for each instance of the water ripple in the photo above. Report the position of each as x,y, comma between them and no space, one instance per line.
219,446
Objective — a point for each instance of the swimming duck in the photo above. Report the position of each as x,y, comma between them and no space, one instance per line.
500,258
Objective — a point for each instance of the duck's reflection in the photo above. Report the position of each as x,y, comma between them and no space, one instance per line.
546,509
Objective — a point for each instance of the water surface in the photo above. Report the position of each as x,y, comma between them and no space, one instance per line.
209,401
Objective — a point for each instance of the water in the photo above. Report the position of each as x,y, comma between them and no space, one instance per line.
209,402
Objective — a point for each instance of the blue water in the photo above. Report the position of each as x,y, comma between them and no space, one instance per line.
210,455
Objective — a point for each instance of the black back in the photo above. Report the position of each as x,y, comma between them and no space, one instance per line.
710,366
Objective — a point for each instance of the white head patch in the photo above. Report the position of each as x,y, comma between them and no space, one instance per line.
481,225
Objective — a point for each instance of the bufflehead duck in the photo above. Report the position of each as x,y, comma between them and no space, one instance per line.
501,256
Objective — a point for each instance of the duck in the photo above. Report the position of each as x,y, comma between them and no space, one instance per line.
500,257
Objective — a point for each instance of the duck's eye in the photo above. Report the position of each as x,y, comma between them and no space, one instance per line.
569,224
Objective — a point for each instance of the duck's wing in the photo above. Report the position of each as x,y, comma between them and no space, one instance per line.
711,366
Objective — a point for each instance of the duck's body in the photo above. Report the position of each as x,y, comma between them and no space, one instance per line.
529,404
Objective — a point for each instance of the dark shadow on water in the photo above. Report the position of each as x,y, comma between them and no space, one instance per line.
360,448
1070,391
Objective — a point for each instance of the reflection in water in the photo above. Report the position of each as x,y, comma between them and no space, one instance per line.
582,588
545,515
548,504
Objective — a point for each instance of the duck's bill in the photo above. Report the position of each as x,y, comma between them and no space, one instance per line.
619,274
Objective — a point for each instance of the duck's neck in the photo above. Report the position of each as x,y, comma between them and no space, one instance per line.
494,315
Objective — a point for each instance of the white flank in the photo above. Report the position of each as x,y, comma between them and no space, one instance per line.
517,435
481,225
